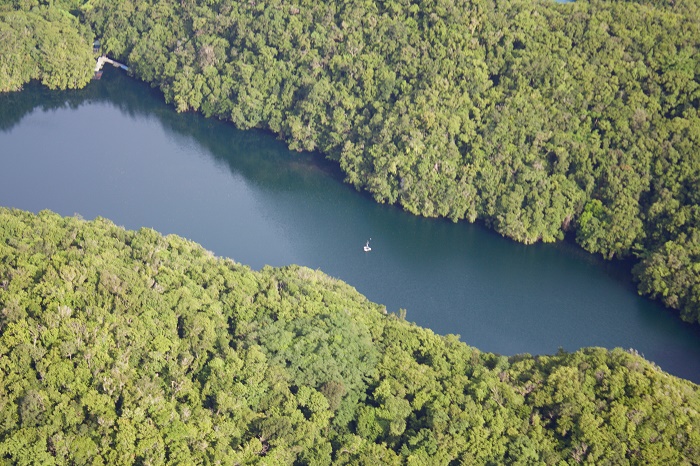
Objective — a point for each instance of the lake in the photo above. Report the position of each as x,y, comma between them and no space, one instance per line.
116,150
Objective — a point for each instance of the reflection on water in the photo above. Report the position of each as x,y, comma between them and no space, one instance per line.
117,151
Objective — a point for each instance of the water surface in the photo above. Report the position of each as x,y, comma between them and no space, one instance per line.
116,150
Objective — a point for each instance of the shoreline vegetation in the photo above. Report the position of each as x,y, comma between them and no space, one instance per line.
128,347
536,117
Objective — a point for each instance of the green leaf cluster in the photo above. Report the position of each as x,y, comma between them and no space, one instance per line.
43,42
127,347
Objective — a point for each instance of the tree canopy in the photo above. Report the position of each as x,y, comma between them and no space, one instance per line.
43,42
127,347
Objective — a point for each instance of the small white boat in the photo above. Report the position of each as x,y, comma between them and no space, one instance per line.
367,248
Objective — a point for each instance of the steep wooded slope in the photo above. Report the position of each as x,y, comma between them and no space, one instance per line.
123,347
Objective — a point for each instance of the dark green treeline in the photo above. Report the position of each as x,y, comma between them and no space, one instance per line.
122,347
537,117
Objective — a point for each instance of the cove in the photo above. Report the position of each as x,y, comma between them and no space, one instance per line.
116,150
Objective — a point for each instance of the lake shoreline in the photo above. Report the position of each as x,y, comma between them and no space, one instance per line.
203,179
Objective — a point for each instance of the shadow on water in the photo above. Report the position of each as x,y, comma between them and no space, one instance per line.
232,148
243,195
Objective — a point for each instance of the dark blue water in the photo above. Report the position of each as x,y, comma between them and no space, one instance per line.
116,150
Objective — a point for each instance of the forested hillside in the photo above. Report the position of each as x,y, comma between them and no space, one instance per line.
537,117
122,347
44,43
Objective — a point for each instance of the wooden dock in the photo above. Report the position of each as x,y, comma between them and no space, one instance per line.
100,63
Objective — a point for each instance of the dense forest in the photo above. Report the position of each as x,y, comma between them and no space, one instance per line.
127,347
537,117
43,43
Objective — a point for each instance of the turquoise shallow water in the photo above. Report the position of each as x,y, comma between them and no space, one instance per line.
116,150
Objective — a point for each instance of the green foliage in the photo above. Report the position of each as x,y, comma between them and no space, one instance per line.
122,347
672,273
45,43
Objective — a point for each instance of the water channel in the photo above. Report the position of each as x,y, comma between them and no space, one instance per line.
117,150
